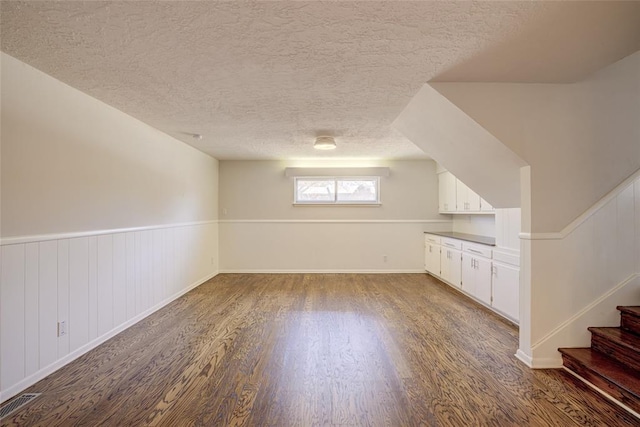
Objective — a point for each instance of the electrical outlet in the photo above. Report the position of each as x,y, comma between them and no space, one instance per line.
212,261
62,328
384,258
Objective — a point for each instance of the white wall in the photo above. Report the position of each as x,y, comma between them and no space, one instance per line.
462,146
483,225
103,221
581,139
72,163
590,267
261,230
98,284
508,227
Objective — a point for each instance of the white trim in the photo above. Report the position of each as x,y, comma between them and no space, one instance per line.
524,358
547,362
336,221
334,204
37,376
602,392
582,312
542,236
468,213
58,236
337,171
539,363
557,235
314,271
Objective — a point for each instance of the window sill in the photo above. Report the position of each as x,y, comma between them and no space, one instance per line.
364,205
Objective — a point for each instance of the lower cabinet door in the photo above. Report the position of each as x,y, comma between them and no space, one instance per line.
476,277
455,275
506,290
483,280
432,259
445,265
450,266
468,274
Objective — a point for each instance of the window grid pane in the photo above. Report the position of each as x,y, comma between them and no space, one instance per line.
357,190
337,190
315,190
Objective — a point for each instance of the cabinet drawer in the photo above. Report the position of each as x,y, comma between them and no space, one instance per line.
451,243
479,250
506,258
430,238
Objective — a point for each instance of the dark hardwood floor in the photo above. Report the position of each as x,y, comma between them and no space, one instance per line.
321,349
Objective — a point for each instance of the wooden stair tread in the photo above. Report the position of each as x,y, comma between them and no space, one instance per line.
613,372
633,310
618,336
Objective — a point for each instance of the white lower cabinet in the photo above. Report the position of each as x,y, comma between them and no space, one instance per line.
432,254
451,261
476,277
491,276
432,258
506,289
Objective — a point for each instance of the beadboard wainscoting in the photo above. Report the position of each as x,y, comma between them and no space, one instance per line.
324,246
97,283
581,274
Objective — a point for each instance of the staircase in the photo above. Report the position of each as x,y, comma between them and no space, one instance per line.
612,363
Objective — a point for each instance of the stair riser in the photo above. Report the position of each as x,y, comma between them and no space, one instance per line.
626,356
630,323
594,378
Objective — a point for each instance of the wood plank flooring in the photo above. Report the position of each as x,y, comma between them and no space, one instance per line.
315,350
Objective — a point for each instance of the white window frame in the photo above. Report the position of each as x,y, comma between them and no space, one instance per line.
335,180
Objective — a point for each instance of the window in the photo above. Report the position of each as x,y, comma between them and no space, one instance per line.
337,190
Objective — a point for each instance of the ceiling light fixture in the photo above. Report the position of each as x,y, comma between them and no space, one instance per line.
324,143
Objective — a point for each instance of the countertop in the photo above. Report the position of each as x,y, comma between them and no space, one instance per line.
484,240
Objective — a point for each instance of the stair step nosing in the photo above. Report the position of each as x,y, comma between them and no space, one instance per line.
616,339
601,374
631,309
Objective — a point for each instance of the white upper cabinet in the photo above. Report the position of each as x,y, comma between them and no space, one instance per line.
455,197
485,206
446,192
467,199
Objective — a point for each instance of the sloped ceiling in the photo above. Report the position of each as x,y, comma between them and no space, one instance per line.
260,80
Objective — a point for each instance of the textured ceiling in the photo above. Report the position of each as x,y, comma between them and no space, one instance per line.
261,79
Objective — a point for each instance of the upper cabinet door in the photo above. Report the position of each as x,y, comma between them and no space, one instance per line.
485,206
455,197
446,192
466,199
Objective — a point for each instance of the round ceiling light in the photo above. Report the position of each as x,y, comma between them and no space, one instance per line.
324,143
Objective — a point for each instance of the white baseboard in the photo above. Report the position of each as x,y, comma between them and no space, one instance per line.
547,362
48,370
573,332
312,271
524,358
539,363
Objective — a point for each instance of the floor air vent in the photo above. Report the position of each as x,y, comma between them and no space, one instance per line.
16,404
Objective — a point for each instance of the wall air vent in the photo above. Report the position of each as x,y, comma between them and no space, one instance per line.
17,403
